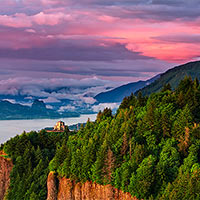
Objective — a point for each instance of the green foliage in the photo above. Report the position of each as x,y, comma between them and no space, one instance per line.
31,153
150,148
141,183
103,115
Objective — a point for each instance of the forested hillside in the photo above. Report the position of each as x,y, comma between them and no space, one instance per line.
150,148
118,94
173,77
31,154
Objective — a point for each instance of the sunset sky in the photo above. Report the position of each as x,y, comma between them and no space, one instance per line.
97,42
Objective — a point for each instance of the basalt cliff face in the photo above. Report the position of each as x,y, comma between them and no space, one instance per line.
5,169
52,186
66,189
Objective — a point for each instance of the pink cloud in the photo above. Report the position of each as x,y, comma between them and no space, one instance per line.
107,18
135,26
50,19
15,21
55,2
30,30
21,20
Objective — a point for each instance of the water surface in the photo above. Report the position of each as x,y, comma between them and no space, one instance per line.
10,128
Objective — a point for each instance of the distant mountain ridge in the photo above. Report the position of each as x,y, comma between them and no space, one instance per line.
118,94
38,110
173,77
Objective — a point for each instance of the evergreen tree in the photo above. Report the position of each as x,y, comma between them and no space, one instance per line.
141,183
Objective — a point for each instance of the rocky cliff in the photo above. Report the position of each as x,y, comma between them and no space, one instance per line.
52,186
69,190
5,169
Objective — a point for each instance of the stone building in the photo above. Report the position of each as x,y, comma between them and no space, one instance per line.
59,127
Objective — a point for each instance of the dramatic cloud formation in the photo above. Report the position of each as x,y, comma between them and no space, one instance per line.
72,51
50,88
97,108
54,91
46,45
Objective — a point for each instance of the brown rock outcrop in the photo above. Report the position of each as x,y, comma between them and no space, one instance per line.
6,166
69,190
52,186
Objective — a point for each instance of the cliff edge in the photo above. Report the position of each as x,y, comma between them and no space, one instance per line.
69,190
6,166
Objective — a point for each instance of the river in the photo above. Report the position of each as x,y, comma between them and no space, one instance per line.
10,128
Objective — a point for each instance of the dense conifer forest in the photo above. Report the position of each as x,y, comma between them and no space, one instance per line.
150,148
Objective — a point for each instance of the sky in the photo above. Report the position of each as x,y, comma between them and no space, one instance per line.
95,44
